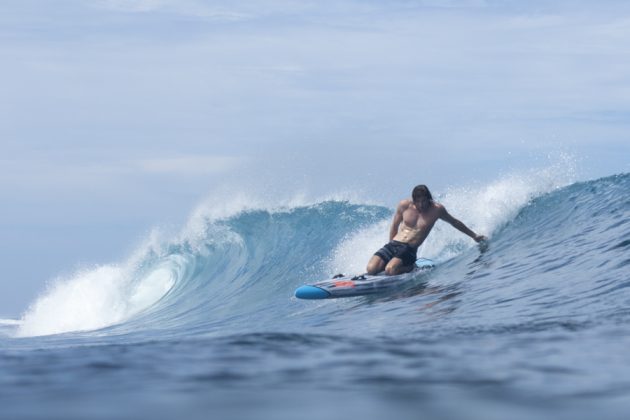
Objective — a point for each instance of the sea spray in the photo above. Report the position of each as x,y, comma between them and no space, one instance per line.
484,208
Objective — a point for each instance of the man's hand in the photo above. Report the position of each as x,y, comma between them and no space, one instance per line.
480,238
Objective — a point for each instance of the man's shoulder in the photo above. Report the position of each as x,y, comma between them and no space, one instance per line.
439,207
404,203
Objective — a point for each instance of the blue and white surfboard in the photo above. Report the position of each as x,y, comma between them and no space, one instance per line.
348,286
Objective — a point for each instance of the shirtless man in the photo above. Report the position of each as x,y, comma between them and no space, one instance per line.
415,218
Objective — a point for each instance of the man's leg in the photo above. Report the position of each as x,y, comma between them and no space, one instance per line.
395,266
375,265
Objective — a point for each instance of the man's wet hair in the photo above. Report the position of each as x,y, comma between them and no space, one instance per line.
421,192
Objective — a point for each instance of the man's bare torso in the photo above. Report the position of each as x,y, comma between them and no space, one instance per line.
416,225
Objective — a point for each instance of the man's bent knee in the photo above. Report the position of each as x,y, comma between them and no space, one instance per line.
396,266
373,269
375,265
391,271
393,267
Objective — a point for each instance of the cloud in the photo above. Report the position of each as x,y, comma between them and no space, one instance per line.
189,165
190,8
132,5
44,174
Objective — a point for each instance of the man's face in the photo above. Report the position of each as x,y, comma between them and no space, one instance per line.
421,203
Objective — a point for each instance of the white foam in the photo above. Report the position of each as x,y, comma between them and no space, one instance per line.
94,298
88,300
483,208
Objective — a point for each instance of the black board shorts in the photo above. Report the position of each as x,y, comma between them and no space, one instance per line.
395,249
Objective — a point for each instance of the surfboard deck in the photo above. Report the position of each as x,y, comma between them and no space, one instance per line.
349,286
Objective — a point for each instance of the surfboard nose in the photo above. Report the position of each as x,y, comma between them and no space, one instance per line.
311,292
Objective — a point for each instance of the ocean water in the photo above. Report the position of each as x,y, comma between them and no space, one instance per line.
203,324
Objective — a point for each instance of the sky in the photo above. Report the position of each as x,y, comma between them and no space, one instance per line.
117,116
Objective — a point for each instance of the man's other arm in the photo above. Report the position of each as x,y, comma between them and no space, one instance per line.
459,225
398,217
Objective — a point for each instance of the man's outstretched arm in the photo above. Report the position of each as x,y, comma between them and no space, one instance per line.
459,225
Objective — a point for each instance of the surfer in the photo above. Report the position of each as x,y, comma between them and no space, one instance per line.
412,223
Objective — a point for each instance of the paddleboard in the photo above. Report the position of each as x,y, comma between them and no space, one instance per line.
349,286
